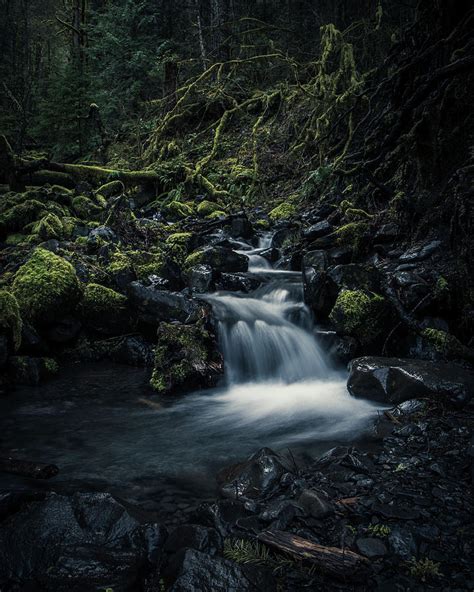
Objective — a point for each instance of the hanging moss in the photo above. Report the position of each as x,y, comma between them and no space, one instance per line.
10,318
359,314
45,285
282,212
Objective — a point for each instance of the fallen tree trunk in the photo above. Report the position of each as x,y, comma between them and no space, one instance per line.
26,468
338,563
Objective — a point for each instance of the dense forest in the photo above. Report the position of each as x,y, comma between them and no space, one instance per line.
236,229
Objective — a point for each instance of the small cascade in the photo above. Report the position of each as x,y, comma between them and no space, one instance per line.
266,336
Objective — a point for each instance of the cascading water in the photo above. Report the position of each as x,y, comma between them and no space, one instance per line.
280,391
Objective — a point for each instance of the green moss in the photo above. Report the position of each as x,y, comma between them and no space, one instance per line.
59,189
85,208
50,226
111,189
99,300
208,207
216,214
10,318
193,259
263,224
16,239
19,216
358,314
352,235
179,238
146,264
282,212
44,285
119,262
177,210
50,365
179,354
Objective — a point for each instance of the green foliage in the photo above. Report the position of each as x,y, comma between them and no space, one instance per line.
10,318
423,569
379,530
246,552
45,284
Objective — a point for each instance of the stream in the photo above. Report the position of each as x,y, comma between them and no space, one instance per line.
102,426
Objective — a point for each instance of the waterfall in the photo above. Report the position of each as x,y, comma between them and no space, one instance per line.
266,336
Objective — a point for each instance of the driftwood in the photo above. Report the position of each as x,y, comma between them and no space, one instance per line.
26,468
338,563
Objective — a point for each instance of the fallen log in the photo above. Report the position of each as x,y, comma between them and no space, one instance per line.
26,468
338,563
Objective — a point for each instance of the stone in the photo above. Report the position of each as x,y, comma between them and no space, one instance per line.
371,547
317,259
315,503
200,279
153,305
255,477
394,380
320,293
193,571
317,230
238,282
194,536
355,277
241,227
420,253
87,541
220,259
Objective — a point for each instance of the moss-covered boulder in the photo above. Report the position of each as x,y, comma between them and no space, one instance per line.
186,357
46,286
360,314
85,208
206,208
220,259
20,215
177,210
104,310
284,211
10,318
50,226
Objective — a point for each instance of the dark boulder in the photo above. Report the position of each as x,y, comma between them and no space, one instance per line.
153,305
420,252
200,279
254,478
271,254
318,260
241,227
194,536
220,259
394,380
193,571
355,277
64,330
238,282
320,293
317,230
87,541
222,516
315,503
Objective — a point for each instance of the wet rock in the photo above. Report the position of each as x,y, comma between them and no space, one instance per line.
241,227
100,235
371,547
282,236
355,277
320,294
420,253
223,515
254,478
220,259
315,503
133,350
236,282
153,305
193,571
200,279
387,232
340,255
317,230
394,380
318,260
186,357
192,536
402,543
270,254
83,542
281,513
344,456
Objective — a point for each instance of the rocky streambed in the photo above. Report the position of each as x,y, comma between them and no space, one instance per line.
366,487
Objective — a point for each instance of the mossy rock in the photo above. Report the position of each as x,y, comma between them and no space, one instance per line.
104,309
205,208
111,189
186,357
359,314
218,258
282,212
10,318
215,215
16,239
45,286
50,226
177,210
85,208
19,216
179,238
